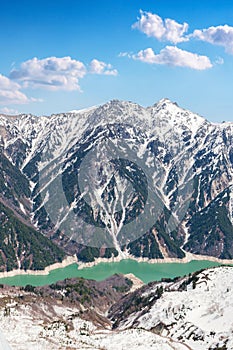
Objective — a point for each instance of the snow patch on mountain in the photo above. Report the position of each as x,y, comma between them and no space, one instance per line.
200,316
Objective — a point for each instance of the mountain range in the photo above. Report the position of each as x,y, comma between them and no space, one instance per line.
114,180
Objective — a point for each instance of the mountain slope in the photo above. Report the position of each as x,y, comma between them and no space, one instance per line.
192,312
22,247
123,179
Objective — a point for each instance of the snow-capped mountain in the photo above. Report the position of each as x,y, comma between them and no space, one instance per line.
122,179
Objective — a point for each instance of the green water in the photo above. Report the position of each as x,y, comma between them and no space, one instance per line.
145,271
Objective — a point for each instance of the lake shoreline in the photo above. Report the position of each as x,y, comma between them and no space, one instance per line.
81,265
188,258
69,260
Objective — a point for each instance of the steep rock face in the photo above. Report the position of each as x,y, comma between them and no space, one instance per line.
164,187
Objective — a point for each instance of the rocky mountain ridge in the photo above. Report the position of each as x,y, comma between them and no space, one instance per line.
175,165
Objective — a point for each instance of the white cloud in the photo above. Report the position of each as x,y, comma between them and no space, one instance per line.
10,92
50,73
99,67
124,54
164,30
220,35
9,111
171,55
53,73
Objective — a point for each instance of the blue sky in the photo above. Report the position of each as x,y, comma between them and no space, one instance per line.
62,55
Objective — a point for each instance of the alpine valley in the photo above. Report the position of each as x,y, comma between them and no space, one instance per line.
167,190
117,181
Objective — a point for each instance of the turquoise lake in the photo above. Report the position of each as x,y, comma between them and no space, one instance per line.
145,271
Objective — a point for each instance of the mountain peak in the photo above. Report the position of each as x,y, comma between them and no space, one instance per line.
165,101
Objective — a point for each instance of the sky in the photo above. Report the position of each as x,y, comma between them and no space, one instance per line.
58,56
